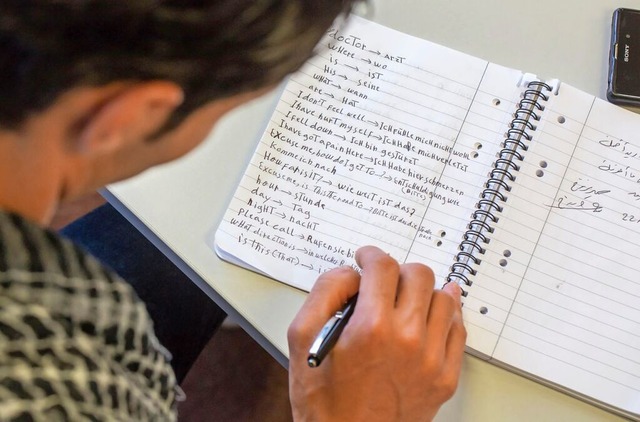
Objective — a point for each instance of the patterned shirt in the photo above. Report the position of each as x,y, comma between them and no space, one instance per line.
75,341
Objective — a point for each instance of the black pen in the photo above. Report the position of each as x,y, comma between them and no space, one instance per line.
329,334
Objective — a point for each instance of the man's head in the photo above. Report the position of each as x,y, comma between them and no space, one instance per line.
105,75
212,49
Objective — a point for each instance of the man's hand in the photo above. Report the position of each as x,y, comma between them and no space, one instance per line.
399,357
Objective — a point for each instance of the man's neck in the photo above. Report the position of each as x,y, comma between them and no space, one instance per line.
29,177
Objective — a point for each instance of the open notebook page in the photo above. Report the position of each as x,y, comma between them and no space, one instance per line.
571,230
381,139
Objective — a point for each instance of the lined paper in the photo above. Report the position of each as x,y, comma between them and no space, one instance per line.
389,140
380,139
575,320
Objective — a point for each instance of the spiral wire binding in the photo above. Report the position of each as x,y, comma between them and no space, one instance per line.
498,184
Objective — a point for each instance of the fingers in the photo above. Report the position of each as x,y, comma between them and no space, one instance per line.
455,352
457,335
454,291
444,326
378,281
414,291
328,295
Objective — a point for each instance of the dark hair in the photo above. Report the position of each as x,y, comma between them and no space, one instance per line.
211,48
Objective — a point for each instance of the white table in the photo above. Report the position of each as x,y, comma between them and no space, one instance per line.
179,204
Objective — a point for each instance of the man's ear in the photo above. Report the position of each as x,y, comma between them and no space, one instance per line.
132,114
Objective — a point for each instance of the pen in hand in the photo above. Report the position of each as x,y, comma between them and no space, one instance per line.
329,333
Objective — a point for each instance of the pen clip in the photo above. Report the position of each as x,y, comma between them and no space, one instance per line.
324,332
329,333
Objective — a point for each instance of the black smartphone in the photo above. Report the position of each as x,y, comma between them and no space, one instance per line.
624,58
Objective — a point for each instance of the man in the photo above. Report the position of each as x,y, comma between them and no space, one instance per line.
94,91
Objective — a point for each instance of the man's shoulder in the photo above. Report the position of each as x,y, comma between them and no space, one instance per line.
25,246
38,266
74,338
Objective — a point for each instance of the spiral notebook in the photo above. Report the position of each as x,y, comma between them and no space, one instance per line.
525,192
